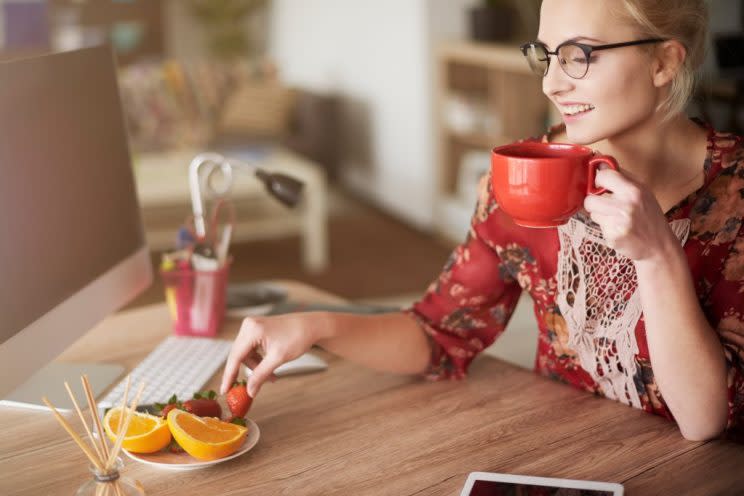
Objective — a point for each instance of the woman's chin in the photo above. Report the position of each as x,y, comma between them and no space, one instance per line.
582,134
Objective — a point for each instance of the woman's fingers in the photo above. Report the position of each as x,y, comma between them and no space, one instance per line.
263,344
232,367
242,347
602,219
252,362
604,204
262,372
614,181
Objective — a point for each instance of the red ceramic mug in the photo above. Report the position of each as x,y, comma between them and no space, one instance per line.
544,184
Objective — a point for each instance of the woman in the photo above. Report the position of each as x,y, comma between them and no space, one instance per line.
639,298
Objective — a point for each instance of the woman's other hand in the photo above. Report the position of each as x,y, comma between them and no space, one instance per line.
265,343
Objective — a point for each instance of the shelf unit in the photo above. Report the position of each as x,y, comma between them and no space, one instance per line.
499,83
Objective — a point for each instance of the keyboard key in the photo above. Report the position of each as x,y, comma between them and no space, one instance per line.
179,365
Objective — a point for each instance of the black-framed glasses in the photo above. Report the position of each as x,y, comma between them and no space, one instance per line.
572,56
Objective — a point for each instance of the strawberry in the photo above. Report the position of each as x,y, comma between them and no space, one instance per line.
204,405
238,400
168,405
174,447
166,409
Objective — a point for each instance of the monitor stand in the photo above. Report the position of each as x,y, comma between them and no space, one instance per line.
50,382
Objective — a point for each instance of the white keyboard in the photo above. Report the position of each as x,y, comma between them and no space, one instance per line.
180,366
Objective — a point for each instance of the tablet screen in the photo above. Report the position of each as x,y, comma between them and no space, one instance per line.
496,488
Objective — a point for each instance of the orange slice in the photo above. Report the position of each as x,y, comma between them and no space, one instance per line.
205,438
146,433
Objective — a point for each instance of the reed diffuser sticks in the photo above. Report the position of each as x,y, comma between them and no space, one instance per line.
99,452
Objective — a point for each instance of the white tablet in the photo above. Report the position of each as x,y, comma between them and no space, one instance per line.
491,484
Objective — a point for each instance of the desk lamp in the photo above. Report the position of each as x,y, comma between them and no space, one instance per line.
286,189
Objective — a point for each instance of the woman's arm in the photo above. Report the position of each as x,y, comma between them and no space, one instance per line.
460,314
686,353
392,342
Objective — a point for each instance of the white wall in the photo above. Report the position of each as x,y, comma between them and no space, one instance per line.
377,55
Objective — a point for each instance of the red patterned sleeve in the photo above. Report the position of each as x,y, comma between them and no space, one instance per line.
466,308
725,302
727,305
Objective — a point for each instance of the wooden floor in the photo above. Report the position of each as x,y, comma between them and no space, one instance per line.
373,256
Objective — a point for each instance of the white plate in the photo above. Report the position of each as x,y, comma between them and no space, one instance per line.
184,461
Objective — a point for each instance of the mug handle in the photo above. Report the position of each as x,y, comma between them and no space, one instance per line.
594,164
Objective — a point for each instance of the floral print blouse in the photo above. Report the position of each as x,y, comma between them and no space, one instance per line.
469,304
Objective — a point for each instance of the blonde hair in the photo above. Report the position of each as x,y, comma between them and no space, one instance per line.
685,21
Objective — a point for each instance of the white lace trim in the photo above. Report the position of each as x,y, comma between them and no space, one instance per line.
597,296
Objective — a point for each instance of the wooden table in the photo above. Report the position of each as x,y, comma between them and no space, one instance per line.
350,430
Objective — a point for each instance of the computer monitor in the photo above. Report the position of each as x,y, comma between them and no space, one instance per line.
72,247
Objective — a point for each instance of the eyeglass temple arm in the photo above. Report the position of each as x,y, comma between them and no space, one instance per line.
595,48
625,44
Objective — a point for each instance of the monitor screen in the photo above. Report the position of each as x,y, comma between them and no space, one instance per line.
72,245
67,195
497,488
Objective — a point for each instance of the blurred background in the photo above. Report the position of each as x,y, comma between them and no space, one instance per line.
387,107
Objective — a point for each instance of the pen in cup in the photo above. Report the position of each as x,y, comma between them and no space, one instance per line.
224,245
205,269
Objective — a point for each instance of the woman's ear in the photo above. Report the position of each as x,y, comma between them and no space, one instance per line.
669,58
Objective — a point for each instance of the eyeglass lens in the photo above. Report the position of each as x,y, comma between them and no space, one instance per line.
571,58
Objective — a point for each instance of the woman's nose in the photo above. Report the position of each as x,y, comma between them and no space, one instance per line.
556,81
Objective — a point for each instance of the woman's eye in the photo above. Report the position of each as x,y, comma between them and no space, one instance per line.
583,60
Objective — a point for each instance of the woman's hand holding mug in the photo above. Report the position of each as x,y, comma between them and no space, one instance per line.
544,184
631,219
